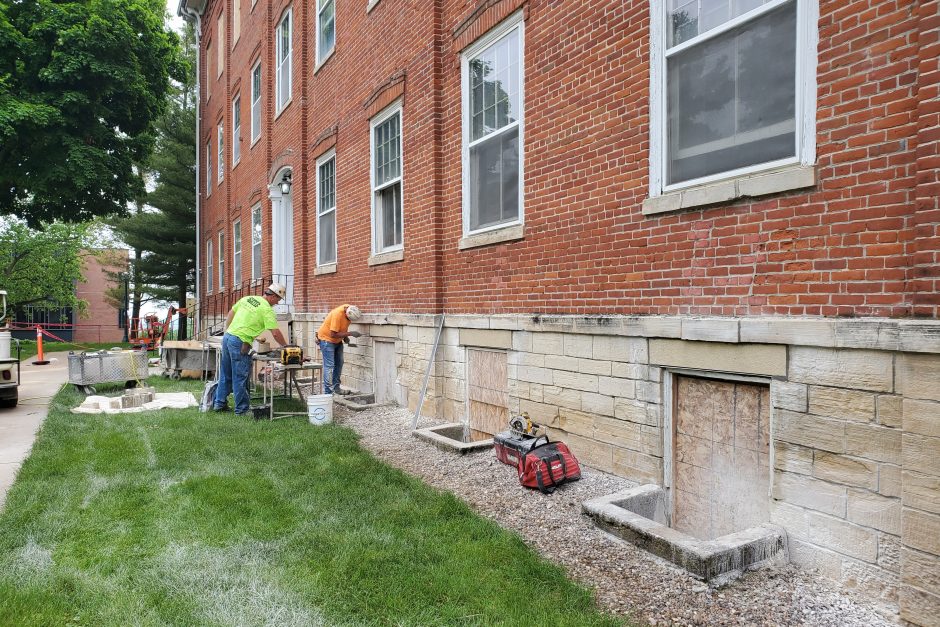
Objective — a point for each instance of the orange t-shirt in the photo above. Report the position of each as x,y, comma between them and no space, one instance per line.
337,321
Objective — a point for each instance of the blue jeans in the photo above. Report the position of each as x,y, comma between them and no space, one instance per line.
332,365
236,368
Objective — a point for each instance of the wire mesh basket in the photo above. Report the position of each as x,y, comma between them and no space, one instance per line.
107,366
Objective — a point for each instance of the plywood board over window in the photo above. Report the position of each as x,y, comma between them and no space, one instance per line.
721,453
487,392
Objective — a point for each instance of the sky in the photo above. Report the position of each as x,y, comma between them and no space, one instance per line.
171,7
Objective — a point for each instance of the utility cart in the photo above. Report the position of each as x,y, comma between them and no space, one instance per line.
9,365
177,356
113,366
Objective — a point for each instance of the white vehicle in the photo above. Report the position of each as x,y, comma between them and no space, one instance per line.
9,366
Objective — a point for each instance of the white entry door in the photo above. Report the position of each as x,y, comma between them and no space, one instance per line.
282,245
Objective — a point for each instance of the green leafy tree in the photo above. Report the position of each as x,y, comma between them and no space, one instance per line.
81,84
39,267
163,234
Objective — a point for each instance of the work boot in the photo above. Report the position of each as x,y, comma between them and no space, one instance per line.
220,408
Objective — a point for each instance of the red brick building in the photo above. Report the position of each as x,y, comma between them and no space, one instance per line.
614,204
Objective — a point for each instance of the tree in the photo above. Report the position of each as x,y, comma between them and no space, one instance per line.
163,234
40,267
81,84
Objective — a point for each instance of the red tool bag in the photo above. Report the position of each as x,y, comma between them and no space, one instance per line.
511,446
548,466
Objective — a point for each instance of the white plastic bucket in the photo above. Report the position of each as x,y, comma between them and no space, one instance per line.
320,409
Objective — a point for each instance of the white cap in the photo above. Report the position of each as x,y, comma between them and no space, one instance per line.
353,313
279,289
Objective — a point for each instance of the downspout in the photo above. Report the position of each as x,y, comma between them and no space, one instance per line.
193,16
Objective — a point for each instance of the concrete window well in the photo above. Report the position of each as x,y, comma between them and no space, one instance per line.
711,515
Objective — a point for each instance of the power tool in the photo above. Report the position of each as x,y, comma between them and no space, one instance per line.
292,355
523,425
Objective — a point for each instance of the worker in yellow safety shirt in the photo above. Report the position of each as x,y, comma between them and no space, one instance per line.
249,318
332,333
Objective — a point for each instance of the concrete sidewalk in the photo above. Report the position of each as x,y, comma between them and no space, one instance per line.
18,426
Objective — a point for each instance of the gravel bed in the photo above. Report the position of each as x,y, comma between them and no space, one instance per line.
626,580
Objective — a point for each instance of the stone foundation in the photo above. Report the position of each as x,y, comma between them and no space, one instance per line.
854,416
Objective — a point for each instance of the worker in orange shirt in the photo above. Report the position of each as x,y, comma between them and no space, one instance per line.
332,334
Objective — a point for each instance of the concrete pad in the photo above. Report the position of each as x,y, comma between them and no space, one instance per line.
18,425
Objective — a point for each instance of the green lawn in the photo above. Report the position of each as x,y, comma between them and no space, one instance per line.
28,347
183,518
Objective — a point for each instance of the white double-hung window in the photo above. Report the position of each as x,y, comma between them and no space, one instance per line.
209,168
236,130
326,209
326,29
209,266
282,77
732,89
256,242
236,253
221,152
256,102
492,75
386,180
221,260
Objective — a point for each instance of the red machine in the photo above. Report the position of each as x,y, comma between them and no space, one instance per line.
150,332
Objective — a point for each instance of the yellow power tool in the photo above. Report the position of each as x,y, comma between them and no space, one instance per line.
292,355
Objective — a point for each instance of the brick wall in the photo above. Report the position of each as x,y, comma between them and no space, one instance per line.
101,322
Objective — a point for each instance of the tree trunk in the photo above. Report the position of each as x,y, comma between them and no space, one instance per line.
182,331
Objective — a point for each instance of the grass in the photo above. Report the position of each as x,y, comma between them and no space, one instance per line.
28,348
182,518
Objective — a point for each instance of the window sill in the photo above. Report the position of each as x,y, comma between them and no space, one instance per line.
371,5
254,141
392,256
329,268
283,109
750,186
497,236
323,61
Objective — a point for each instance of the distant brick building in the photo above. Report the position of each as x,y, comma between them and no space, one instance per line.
622,209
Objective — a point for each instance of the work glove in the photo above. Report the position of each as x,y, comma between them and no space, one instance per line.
355,333
252,352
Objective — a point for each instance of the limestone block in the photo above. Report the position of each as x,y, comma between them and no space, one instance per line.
786,395
649,391
919,336
921,454
873,442
889,480
577,422
636,411
871,581
888,410
811,557
811,493
542,413
594,366
710,329
508,322
590,452
629,371
922,417
791,517
845,470
810,431
622,349
579,345
794,331
748,359
792,458
842,404
636,466
920,530
573,380
917,376
921,570
630,435
563,397
653,326
409,334
872,510
614,386
522,341
561,362
534,374
597,404
889,552
655,374
844,537
918,607
548,343
526,359
860,333
384,330
920,491
854,369
536,392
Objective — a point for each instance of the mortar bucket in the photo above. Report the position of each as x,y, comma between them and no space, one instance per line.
320,409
